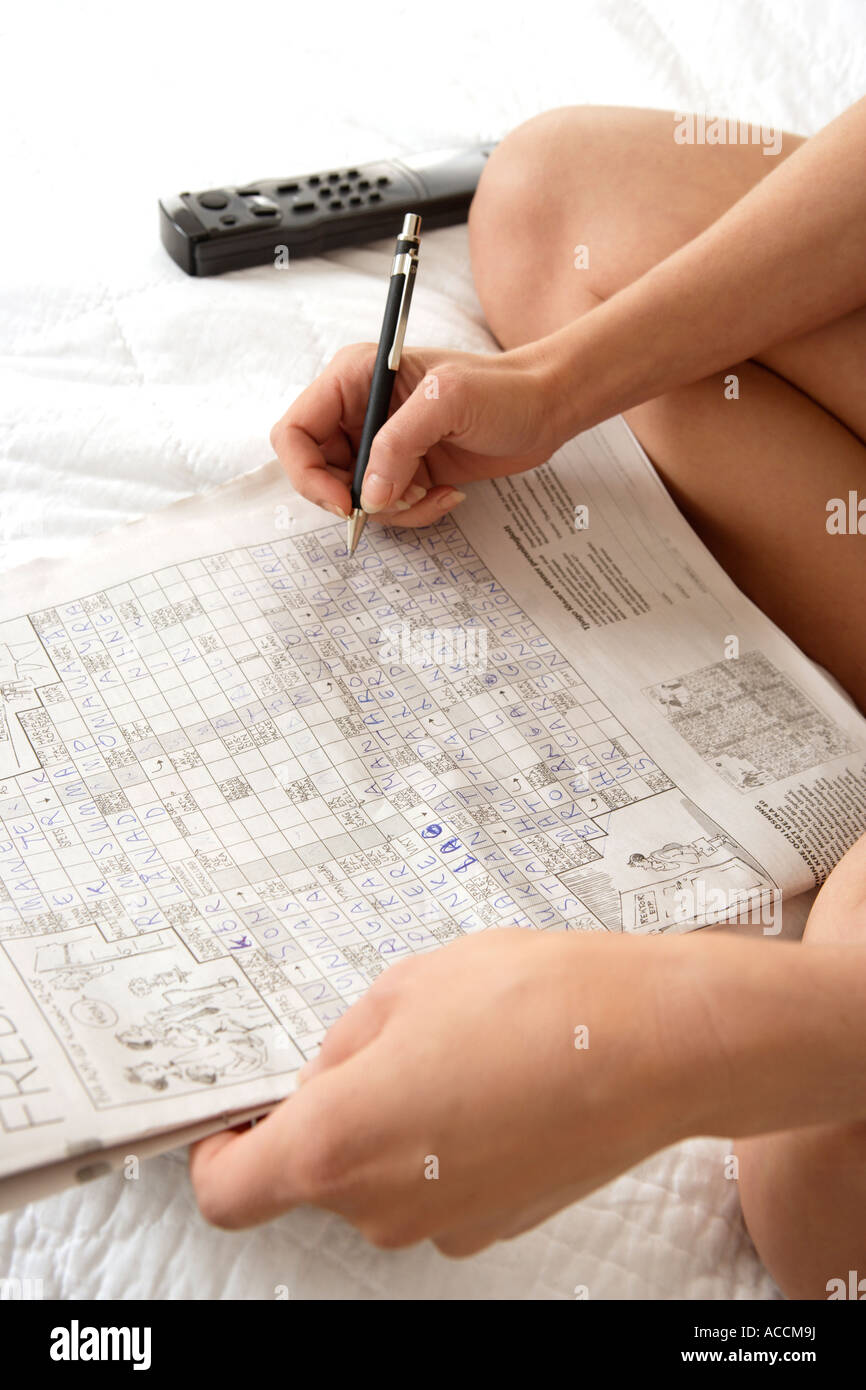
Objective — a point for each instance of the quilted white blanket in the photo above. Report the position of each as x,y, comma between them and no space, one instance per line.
127,385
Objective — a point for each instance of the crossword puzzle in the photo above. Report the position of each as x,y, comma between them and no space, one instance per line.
219,756
749,721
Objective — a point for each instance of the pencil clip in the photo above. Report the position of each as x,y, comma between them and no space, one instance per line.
405,264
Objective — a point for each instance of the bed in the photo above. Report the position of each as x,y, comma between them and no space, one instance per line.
128,385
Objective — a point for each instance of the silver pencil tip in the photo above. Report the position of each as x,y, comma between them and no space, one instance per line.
355,525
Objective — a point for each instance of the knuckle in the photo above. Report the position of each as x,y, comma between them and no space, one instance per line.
395,979
450,376
321,1168
353,354
390,447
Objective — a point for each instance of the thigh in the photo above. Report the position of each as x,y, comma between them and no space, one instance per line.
839,912
753,475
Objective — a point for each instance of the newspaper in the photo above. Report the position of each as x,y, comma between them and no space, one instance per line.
241,774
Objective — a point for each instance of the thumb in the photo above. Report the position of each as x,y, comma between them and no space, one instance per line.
398,449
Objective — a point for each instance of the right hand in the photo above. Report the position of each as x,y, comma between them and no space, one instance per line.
455,417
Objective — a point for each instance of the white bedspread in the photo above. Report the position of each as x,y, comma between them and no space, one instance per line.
127,385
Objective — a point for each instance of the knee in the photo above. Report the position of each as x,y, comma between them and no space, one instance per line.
839,912
565,145
522,182
526,216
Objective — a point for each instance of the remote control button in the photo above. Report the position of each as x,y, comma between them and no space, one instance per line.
304,207
365,183
263,207
375,198
345,188
355,201
382,181
215,199
351,173
314,180
333,178
227,220
324,192
335,205
289,188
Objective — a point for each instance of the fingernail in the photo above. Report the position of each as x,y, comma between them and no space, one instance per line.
450,499
375,492
414,493
400,506
335,510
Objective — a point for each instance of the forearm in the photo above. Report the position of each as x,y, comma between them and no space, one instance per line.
775,1034
785,259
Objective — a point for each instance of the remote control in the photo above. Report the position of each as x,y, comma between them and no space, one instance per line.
228,228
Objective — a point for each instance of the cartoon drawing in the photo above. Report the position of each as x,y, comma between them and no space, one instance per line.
143,985
678,856
211,1031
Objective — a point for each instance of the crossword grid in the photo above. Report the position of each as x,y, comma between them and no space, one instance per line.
226,754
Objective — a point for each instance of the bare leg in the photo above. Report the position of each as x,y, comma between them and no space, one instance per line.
752,475
804,1192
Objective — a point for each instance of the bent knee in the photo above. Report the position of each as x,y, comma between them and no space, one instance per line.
609,180
839,912
524,220
571,206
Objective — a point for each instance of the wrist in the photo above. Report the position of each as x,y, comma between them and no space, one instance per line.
627,350
583,374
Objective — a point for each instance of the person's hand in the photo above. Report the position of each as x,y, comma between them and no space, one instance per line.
474,1091
455,417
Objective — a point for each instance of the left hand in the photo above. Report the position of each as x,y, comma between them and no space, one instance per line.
465,1062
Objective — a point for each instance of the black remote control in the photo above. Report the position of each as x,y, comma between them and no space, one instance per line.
228,228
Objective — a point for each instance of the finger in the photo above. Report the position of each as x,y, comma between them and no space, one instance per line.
399,448
353,1030
337,452
435,504
304,462
227,1171
307,433
306,1150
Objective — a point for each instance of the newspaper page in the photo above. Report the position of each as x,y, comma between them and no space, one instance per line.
242,773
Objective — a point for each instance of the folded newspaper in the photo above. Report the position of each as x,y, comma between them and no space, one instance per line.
241,774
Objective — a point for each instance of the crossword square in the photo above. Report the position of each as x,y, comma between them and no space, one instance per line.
257,870
260,825
367,837
285,862
339,845
228,878
316,853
